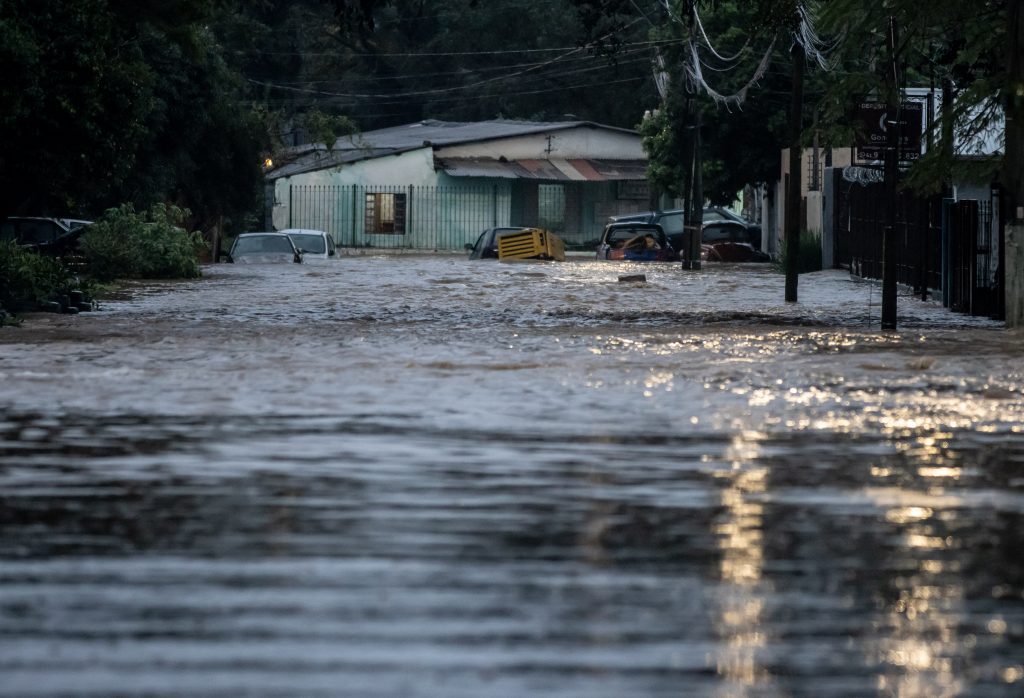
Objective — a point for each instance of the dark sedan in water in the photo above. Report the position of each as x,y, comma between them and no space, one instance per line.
486,246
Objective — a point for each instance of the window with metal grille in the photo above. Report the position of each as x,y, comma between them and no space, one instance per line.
385,213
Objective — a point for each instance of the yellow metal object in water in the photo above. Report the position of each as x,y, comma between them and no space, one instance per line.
532,243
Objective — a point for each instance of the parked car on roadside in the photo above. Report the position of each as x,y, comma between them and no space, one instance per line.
53,236
486,245
264,248
312,243
636,242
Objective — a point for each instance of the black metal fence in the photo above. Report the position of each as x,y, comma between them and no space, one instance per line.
942,246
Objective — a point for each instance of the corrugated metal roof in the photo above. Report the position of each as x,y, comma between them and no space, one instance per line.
574,170
399,139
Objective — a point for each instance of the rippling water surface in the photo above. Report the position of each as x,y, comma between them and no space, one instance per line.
421,476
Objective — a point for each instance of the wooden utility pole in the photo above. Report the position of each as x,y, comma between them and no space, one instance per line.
693,190
892,158
795,181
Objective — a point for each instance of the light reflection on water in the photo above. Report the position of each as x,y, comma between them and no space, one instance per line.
423,477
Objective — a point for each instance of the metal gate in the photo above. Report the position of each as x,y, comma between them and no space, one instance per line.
952,246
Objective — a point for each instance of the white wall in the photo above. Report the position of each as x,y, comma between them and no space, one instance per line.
412,168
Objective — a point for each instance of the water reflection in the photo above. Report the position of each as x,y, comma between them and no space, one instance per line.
739,621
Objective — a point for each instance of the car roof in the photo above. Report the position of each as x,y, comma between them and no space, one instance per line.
303,231
269,232
634,224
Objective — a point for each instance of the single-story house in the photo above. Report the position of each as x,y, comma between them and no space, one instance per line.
438,184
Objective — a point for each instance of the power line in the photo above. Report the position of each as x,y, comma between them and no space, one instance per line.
480,69
548,76
444,90
440,54
517,93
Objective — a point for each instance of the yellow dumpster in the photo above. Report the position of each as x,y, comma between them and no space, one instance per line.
532,243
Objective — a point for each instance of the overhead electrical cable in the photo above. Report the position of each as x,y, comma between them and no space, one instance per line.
416,76
438,54
443,90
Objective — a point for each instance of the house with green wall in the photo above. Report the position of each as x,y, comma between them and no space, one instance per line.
435,185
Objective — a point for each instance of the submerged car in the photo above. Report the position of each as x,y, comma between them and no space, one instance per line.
312,243
53,236
636,242
672,222
728,241
486,246
264,248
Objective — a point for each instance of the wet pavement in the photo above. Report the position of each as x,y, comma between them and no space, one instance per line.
421,476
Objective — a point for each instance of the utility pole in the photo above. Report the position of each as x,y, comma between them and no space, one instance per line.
795,181
892,158
693,191
696,203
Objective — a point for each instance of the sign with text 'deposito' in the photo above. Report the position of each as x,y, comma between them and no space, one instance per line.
874,123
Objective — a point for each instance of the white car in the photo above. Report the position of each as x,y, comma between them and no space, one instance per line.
312,243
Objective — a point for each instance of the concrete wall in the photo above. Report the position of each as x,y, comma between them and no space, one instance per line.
1014,249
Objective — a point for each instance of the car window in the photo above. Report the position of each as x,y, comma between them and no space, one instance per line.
308,242
712,216
36,232
620,235
671,223
263,243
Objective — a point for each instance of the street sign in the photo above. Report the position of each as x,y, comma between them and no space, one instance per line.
874,122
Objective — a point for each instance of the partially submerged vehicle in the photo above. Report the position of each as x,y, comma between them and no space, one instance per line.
636,241
312,243
52,236
486,246
727,241
264,248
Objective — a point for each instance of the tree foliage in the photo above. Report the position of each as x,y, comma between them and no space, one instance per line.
110,100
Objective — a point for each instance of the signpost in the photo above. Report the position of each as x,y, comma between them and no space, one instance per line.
874,121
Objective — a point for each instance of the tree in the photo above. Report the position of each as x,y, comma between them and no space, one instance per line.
108,101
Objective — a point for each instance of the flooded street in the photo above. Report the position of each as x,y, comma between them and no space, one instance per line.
420,476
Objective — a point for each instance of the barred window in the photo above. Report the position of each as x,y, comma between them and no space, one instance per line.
385,213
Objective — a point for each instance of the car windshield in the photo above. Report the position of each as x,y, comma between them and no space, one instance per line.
721,214
308,242
254,244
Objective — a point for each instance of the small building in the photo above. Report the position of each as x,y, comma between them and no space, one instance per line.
435,185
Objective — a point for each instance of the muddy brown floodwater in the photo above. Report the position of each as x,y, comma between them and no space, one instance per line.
420,476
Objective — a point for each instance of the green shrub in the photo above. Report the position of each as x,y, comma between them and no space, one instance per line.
809,255
125,244
28,278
